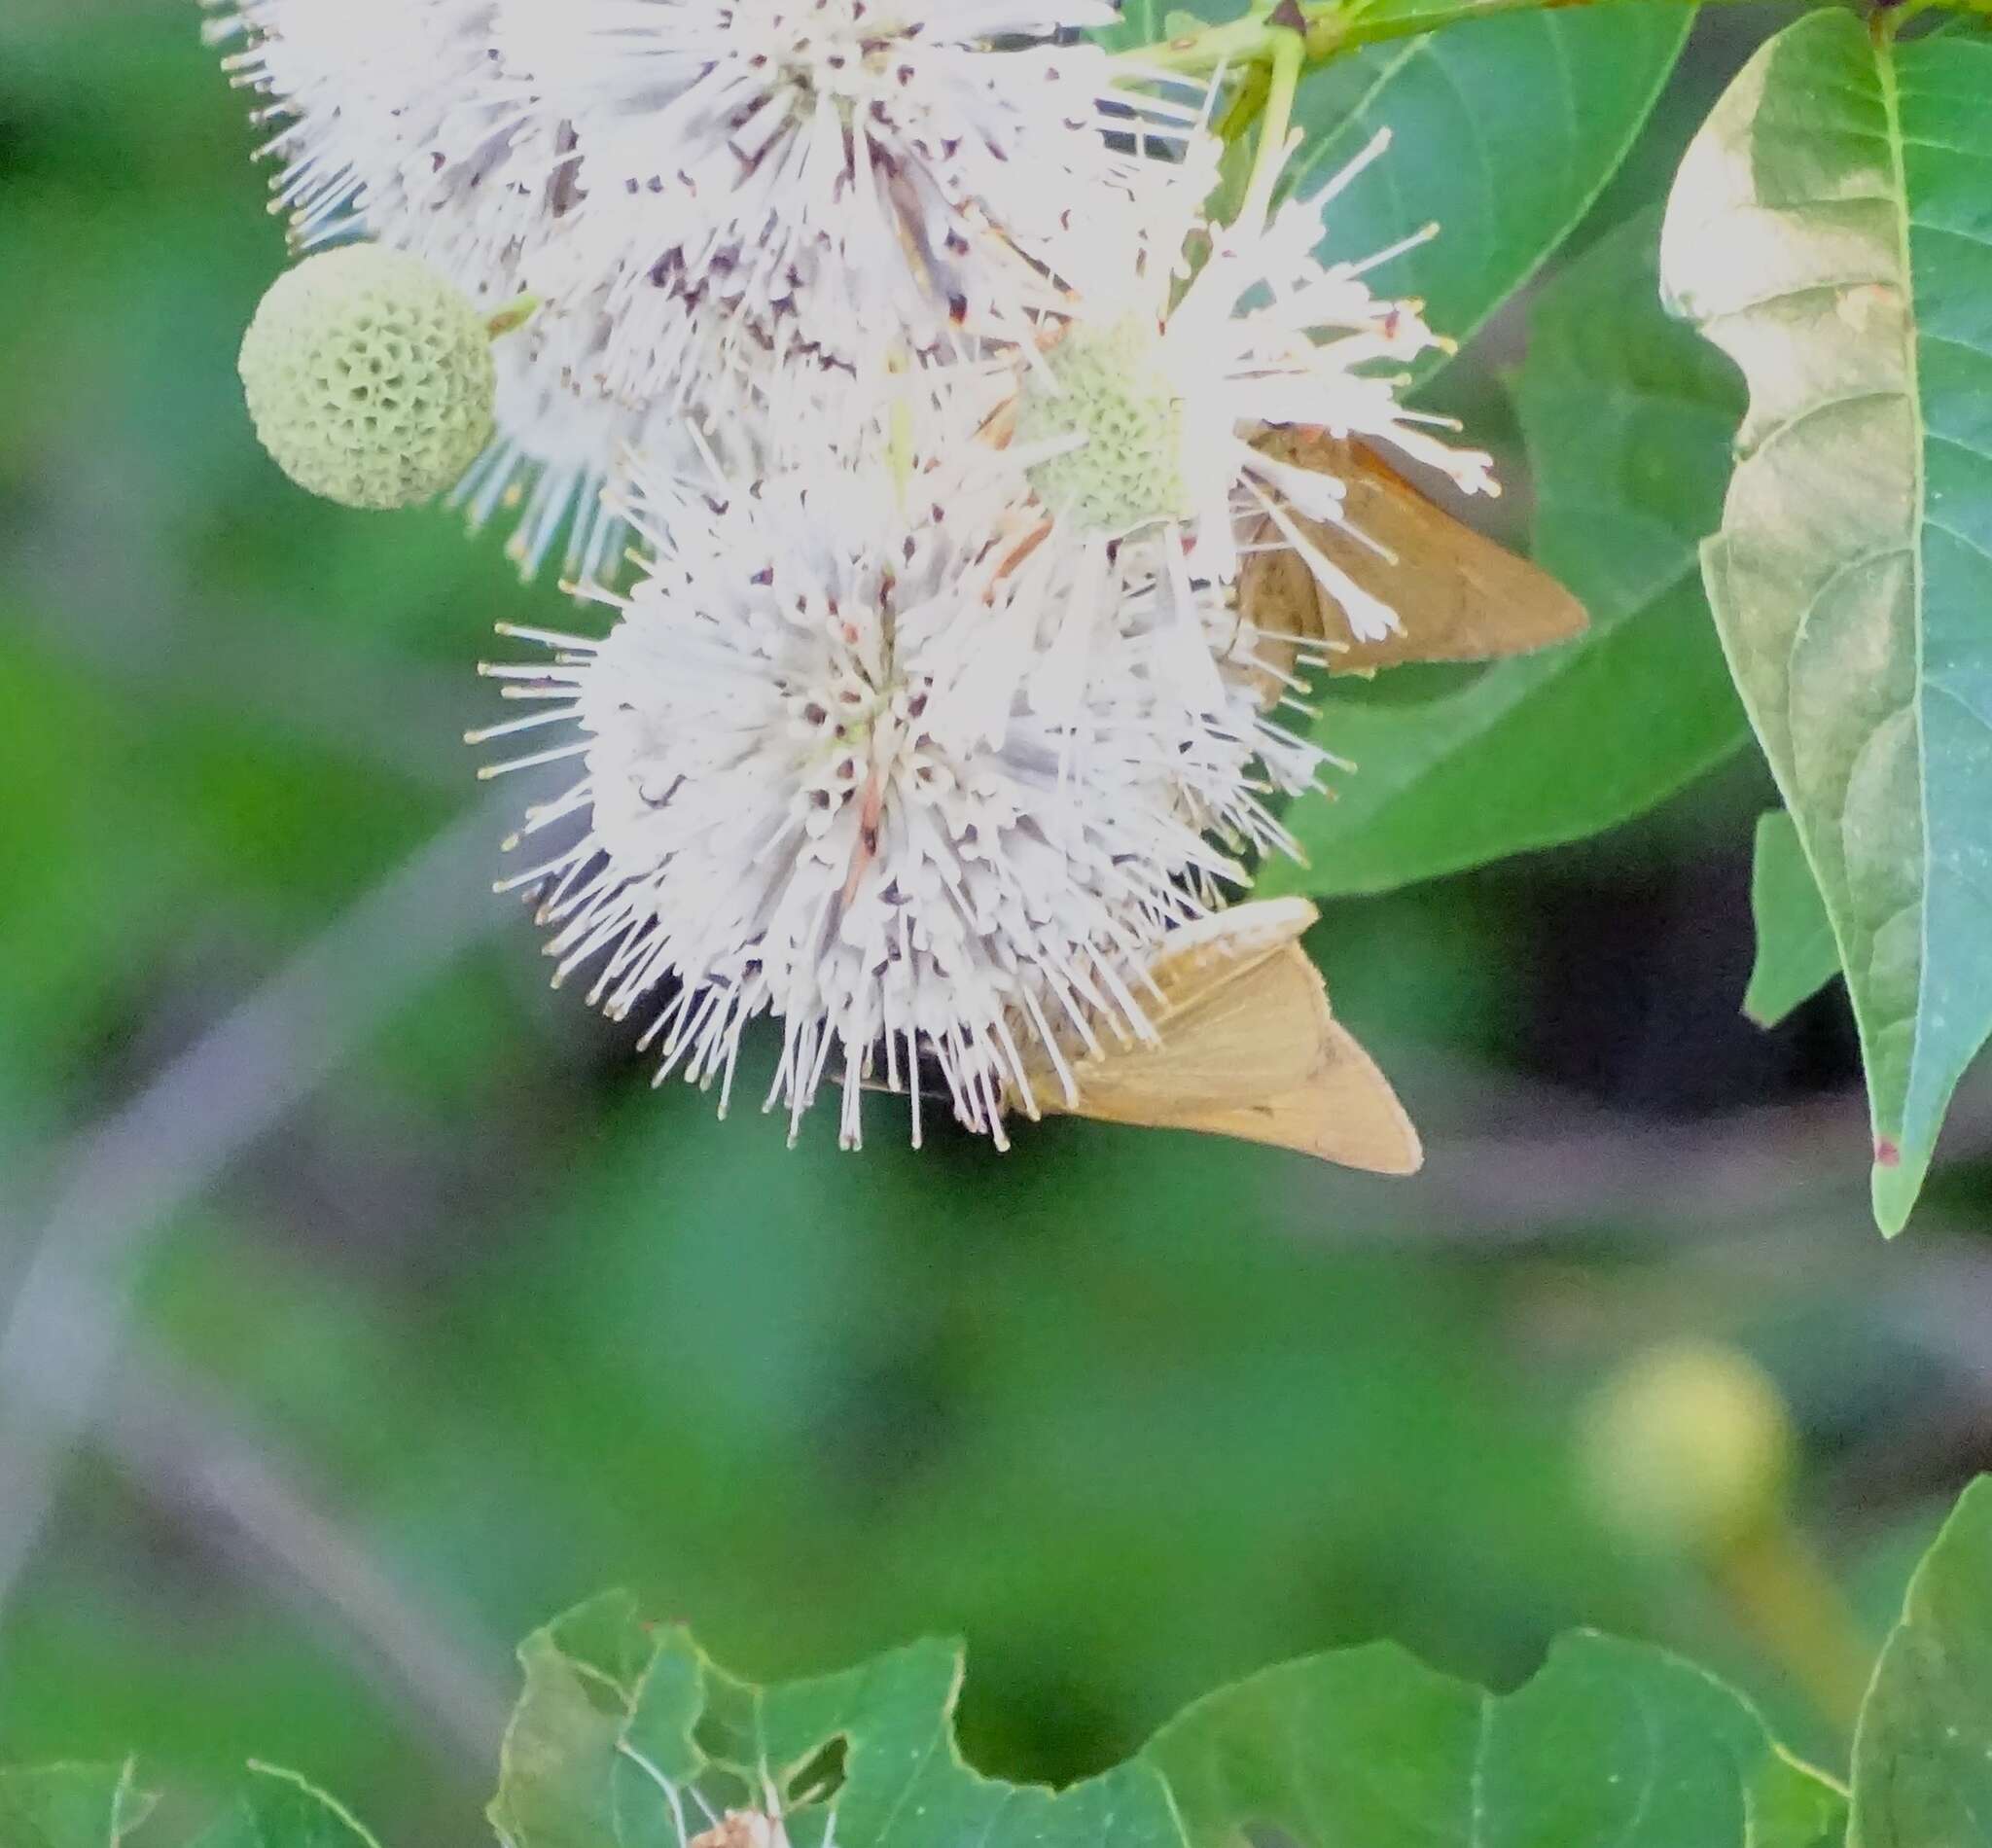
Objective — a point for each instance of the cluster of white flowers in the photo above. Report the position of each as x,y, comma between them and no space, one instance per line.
892,337
745,210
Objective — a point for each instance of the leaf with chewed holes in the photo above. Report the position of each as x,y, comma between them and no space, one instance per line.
1612,1745
628,1736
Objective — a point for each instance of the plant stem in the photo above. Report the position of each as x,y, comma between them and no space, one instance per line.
1289,55
1780,1592
1243,109
1246,40
1887,24
1328,28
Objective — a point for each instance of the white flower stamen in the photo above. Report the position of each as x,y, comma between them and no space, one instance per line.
1145,415
825,780
829,181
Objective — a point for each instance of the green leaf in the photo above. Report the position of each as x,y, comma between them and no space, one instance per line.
1923,1749
101,1807
629,1737
1629,420
1504,131
563,1773
1140,23
1795,954
70,1806
278,1809
1611,1745
1831,230
1503,134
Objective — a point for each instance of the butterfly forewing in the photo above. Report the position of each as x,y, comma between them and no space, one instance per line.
1347,1113
1257,1028
1458,595
1247,1048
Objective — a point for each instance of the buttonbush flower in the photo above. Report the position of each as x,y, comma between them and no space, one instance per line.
749,210
389,122
553,468
1142,415
824,777
835,182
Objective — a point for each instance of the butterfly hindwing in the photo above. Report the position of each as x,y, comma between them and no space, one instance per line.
1246,1047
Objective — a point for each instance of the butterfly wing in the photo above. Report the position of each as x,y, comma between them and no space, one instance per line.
1256,1032
1199,963
1458,595
1249,1048
1346,1112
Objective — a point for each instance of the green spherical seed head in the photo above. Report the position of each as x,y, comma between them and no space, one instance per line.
369,378
1108,384
1688,1449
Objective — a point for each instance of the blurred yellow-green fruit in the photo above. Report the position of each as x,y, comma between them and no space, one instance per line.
1688,1448
369,378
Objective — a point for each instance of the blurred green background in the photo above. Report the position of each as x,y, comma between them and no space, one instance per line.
361,1305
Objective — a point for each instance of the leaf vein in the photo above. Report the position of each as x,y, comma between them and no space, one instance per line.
1818,408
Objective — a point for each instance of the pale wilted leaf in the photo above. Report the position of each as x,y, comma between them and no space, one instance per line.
1831,230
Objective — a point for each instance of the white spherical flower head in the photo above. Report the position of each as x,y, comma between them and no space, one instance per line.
825,780
394,121
370,379
558,465
841,179
559,461
1149,420
553,456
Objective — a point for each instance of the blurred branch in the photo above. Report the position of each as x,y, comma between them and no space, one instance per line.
64,1319
191,1456
1512,1160
279,674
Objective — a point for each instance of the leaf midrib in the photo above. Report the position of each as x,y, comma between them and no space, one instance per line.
1891,109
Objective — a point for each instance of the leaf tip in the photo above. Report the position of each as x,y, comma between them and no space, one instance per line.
1897,1181
1760,1013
